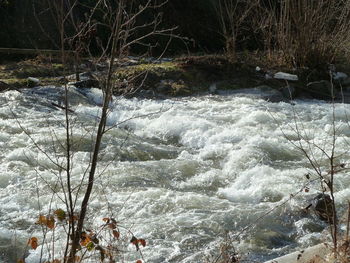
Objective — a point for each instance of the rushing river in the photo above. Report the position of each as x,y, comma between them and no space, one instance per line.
179,172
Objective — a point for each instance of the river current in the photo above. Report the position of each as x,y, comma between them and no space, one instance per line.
179,173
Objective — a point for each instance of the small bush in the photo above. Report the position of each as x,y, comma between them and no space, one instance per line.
310,33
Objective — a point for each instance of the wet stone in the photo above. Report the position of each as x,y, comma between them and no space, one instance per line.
323,207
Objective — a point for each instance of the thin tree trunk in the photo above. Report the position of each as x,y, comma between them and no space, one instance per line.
100,132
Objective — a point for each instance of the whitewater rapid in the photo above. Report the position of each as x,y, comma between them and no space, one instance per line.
179,173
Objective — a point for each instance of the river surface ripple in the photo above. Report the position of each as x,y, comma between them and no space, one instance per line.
178,172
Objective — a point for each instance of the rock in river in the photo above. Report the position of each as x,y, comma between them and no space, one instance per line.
323,207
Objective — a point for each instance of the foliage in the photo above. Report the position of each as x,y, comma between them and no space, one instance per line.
308,32
4,3
232,14
101,243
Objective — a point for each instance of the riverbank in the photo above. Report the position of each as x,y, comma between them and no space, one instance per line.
186,76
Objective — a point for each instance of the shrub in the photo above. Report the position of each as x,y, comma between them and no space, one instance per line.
310,33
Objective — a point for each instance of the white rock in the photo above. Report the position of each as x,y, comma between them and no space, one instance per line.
33,80
133,61
166,59
305,255
133,57
257,68
286,76
339,75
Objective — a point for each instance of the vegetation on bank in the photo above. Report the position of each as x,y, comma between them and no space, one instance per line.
273,35
302,33
181,76
16,73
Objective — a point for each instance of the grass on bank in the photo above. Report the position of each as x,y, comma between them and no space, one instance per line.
182,76
16,73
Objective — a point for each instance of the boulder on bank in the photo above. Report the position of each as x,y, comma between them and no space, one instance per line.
88,83
270,94
174,88
320,89
288,92
286,76
339,76
346,82
86,80
164,86
4,86
32,82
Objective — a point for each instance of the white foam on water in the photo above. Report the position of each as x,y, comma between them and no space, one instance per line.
178,172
